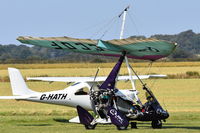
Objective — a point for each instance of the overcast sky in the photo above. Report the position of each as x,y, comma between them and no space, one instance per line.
92,18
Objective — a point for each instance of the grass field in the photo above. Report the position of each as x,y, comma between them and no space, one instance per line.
102,65
103,71
181,97
179,123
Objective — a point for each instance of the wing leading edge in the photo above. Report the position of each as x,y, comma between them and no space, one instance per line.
90,79
146,49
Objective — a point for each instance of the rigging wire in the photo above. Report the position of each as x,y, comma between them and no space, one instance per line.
155,80
160,71
106,31
107,28
132,21
104,27
149,67
108,25
104,22
164,103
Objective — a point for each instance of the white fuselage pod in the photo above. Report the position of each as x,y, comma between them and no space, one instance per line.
71,96
66,97
76,94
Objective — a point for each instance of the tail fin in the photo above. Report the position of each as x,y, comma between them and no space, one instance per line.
18,84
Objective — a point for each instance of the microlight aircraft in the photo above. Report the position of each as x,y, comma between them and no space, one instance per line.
109,104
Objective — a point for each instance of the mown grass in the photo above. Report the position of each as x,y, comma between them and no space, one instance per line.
179,122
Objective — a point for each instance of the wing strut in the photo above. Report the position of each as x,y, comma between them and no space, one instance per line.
130,69
130,73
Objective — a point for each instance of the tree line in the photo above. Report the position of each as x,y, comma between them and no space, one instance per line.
188,49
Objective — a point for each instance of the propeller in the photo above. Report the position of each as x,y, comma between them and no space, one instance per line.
91,93
95,78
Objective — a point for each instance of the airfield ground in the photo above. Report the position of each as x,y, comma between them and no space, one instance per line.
181,97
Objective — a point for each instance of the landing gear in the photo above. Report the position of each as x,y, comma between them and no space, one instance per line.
90,127
156,124
133,125
121,127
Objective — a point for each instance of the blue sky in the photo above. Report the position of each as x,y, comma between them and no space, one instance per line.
85,18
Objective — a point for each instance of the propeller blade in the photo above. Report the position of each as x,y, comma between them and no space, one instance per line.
91,91
109,83
95,78
84,116
117,118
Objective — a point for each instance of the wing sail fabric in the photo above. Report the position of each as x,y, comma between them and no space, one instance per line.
146,49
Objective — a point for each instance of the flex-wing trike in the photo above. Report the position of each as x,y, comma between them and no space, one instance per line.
107,104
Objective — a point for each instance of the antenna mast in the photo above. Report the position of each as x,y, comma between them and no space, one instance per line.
124,12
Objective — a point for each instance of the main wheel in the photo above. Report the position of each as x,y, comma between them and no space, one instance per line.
133,125
121,127
156,124
90,127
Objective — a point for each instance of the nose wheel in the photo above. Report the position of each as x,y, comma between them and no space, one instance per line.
90,127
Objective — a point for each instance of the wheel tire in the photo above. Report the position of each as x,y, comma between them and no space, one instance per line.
156,124
133,125
90,127
121,128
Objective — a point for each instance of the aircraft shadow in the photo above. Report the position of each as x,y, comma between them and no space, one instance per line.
182,127
148,123
165,125
172,125
61,120
34,124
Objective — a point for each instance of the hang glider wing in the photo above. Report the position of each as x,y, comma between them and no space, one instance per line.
90,79
146,49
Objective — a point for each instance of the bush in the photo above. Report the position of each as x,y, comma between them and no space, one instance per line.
192,74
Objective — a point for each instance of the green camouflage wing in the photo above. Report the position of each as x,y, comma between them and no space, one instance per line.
147,49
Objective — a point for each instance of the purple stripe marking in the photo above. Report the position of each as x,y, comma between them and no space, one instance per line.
146,57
